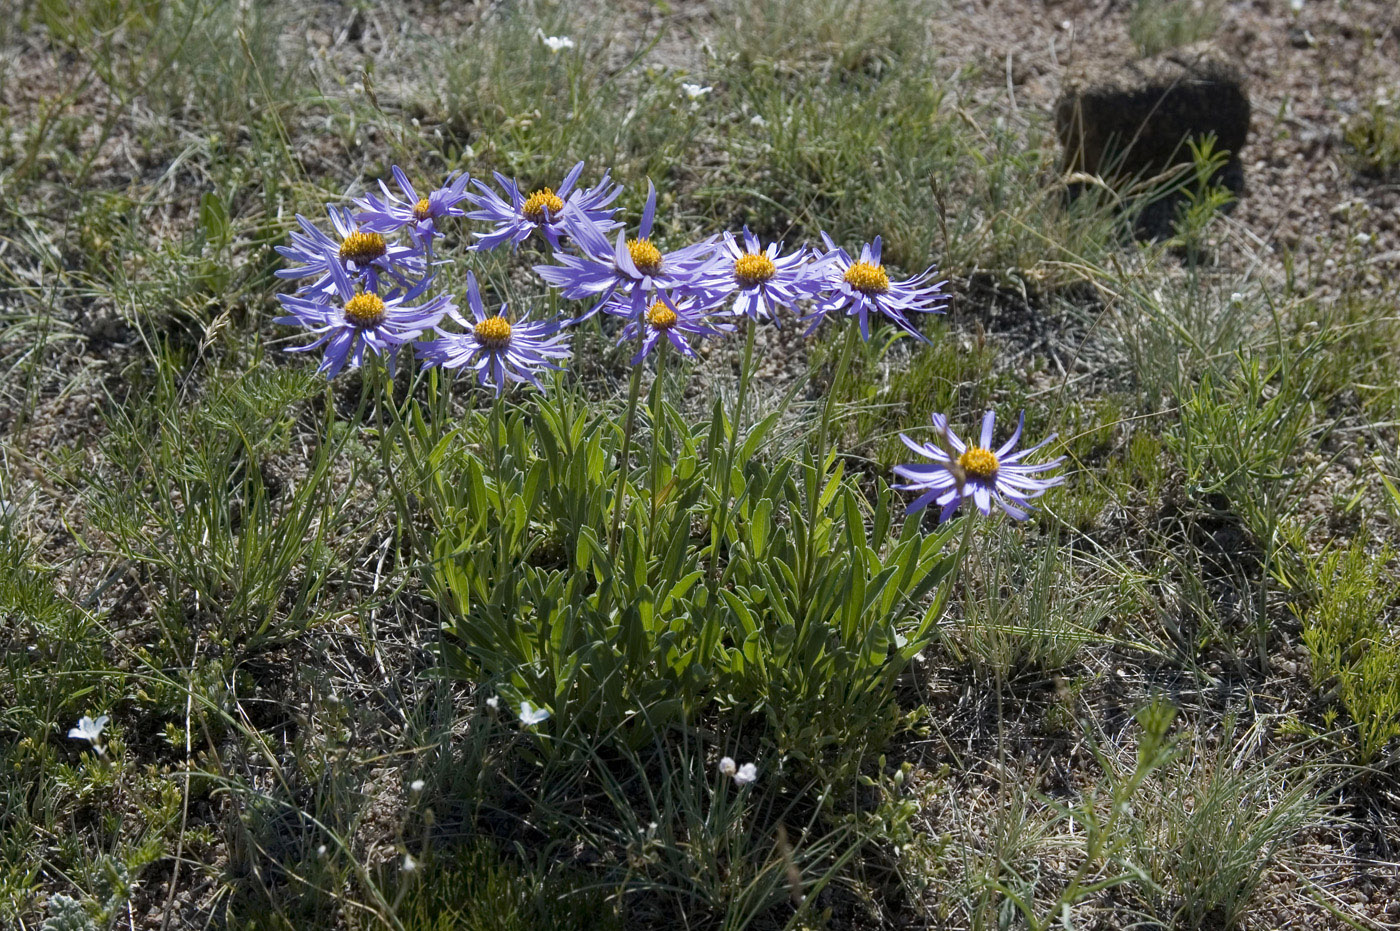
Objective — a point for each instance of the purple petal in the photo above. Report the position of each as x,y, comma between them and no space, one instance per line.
1010,444
649,213
569,181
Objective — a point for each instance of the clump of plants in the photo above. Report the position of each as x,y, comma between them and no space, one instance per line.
614,578
1374,137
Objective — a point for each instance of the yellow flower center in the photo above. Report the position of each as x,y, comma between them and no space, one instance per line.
645,256
422,210
362,248
753,268
365,310
867,278
661,317
979,463
493,333
540,201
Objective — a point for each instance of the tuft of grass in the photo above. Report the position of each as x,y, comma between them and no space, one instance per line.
1011,878
1374,137
1028,606
1218,823
1157,26
1243,439
475,888
1354,650
190,499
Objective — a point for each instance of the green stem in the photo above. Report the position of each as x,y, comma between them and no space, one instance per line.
498,468
736,430
744,374
656,398
619,495
843,362
820,457
383,386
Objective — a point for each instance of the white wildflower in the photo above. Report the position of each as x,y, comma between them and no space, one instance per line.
416,786
556,44
695,91
409,864
493,702
90,730
727,766
747,773
530,715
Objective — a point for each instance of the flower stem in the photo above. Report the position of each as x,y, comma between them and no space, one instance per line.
633,392
496,463
843,362
381,387
657,398
744,374
820,457
736,430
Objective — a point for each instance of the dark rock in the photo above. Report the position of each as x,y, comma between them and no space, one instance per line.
1134,119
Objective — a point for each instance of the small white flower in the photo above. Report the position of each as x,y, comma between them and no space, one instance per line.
695,91
747,773
529,714
1297,5
493,702
90,730
727,766
556,44
409,864
1236,297
757,120
416,786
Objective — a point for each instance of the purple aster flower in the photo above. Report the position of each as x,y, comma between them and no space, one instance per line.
364,254
498,350
862,287
543,210
348,320
419,214
629,270
761,280
670,318
977,472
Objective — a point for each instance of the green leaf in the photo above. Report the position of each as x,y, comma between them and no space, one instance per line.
757,434
740,611
759,525
833,485
753,649
679,588
214,220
